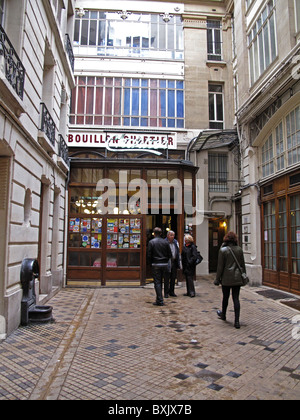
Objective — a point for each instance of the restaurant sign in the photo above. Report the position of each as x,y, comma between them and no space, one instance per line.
137,142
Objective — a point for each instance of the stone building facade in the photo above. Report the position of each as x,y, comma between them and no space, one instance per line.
148,68
36,78
266,78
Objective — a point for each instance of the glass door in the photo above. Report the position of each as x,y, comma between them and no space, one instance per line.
85,248
123,248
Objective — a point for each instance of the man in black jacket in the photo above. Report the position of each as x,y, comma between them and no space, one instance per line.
175,264
158,255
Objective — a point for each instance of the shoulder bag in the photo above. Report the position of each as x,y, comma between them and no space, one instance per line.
245,278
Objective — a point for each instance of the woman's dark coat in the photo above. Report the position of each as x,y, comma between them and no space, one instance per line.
228,273
189,257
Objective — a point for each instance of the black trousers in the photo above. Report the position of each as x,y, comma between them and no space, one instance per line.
235,298
159,273
169,281
190,287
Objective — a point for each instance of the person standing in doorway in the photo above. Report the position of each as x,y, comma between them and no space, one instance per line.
158,255
229,275
174,264
189,258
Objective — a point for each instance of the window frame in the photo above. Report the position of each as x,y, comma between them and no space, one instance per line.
215,93
283,152
262,43
163,39
133,102
213,34
217,177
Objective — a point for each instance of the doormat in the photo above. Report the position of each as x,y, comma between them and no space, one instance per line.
295,304
274,294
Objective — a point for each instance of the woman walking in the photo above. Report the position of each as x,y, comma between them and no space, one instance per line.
189,257
229,275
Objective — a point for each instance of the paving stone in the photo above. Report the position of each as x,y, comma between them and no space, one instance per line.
110,344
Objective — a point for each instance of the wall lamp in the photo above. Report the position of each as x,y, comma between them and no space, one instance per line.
124,14
166,17
81,12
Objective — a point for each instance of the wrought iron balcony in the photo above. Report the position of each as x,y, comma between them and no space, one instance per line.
47,124
69,50
63,150
13,67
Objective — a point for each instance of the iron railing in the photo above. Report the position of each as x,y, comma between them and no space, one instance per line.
47,124
14,69
69,50
63,150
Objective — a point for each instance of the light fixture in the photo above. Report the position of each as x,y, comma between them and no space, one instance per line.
124,14
166,17
81,12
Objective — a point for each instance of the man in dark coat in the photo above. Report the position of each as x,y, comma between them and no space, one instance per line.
158,255
174,265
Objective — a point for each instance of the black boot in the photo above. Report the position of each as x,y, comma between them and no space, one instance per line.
220,315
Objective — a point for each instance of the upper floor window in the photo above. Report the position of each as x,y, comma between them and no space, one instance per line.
262,41
131,102
139,35
282,148
293,136
216,112
214,40
217,172
267,157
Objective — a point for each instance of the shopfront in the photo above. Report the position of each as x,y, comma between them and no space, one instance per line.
116,199
281,232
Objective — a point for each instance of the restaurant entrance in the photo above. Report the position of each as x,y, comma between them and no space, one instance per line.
114,206
166,222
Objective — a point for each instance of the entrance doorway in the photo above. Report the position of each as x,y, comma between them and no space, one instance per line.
166,222
217,231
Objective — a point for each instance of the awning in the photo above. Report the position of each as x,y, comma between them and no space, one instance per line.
212,139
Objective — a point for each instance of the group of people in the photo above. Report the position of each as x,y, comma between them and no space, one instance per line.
165,258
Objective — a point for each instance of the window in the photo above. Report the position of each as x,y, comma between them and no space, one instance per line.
139,35
280,149
216,107
267,157
270,236
217,172
283,232
295,232
262,42
293,136
214,40
116,101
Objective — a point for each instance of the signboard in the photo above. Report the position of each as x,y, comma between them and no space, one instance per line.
124,141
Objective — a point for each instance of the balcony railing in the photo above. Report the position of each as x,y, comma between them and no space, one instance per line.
47,124
63,150
69,50
14,69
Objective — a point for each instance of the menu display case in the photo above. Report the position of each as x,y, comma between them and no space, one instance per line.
123,233
110,243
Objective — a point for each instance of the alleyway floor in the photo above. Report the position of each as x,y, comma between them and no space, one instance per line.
113,344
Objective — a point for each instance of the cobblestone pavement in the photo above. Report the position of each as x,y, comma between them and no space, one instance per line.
113,344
